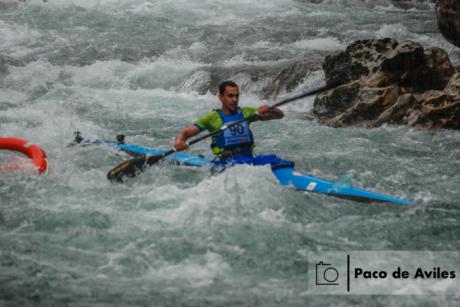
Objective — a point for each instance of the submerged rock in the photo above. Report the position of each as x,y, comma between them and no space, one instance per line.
385,81
448,13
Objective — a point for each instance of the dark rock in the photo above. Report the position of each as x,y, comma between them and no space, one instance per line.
354,62
406,63
406,56
337,101
395,113
361,58
438,109
368,104
435,74
448,13
435,110
453,86
390,82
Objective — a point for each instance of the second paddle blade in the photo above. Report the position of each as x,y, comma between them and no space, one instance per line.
131,168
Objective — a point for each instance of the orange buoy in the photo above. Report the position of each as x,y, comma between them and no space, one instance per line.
33,151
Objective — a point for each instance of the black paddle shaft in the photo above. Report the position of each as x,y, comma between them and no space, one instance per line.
136,165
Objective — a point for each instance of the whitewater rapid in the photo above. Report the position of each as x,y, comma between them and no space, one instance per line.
176,235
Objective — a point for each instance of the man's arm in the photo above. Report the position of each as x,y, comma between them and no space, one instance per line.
181,138
266,114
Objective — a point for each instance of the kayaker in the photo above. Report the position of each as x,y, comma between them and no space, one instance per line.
237,140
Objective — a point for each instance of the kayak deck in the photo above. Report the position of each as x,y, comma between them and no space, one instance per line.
289,176
283,170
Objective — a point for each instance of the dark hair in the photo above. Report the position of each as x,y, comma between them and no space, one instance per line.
224,84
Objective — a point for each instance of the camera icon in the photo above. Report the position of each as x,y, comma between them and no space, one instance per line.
326,274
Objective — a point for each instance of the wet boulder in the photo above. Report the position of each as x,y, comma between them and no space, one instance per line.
448,14
385,81
436,109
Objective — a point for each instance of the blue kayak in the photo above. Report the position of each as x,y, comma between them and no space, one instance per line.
282,169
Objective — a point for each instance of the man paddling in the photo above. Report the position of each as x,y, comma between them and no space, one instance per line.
234,141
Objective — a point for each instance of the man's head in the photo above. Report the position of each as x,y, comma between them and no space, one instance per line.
229,95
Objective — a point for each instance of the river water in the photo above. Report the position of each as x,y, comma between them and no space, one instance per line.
176,236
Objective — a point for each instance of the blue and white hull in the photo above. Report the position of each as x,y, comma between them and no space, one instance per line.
283,170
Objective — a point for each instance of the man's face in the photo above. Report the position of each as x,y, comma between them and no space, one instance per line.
230,99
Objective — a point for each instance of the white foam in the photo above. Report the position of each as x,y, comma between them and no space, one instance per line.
325,14
15,97
215,201
200,271
395,31
18,40
162,72
322,44
273,217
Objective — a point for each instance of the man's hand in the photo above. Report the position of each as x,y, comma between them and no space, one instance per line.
180,145
267,113
181,138
263,109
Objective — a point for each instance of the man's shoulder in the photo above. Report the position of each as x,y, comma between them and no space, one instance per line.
210,115
206,121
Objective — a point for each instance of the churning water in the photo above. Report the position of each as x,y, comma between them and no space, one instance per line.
176,236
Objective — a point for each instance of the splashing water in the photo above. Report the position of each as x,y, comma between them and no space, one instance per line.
176,235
